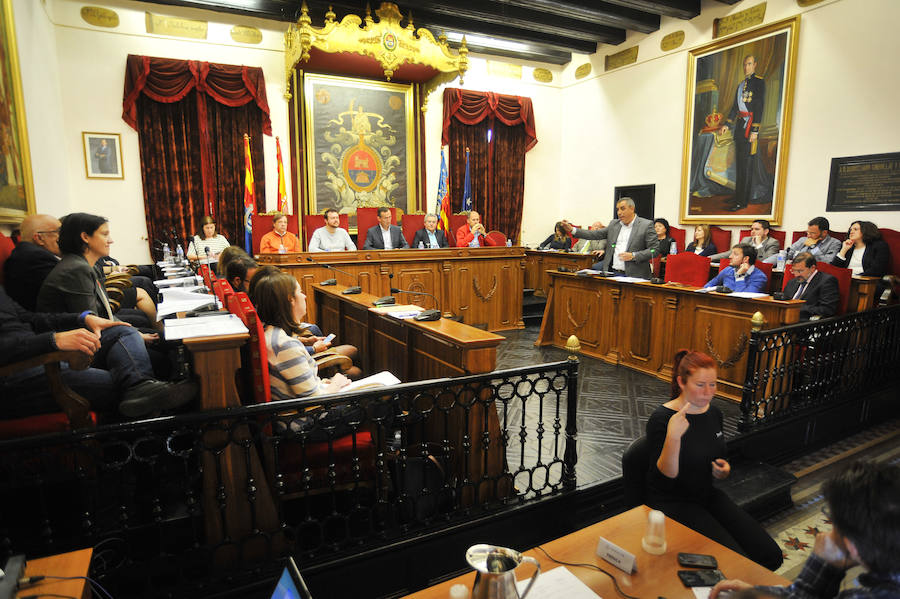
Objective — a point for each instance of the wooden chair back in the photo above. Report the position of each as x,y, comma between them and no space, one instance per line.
688,268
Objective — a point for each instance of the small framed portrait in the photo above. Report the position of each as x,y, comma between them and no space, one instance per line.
102,155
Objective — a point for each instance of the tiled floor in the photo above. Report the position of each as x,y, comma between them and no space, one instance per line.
614,403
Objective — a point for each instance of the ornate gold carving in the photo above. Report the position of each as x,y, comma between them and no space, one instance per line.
496,68
161,25
542,75
573,346
246,35
571,316
671,303
385,40
583,70
620,59
757,322
99,17
739,348
739,21
672,41
480,294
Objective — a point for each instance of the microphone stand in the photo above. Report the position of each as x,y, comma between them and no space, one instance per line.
349,290
424,315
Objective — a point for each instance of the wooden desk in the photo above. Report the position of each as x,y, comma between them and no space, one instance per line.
861,296
656,574
538,262
74,563
641,325
483,286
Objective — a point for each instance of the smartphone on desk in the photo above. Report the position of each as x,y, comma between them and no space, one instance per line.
697,560
700,578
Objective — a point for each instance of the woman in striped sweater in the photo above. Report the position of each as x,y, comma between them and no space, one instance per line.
281,306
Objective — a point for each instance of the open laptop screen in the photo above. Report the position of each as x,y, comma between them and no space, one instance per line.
291,584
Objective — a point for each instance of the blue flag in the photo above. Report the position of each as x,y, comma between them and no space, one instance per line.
467,188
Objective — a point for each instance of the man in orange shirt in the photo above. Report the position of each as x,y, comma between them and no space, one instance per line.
472,235
279,240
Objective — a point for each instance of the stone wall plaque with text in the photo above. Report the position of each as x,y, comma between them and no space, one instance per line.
864,183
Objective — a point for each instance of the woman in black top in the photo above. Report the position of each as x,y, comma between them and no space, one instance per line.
687,450
702,244
560,240
864,237
661,226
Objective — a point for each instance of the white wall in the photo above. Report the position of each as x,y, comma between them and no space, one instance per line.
844,105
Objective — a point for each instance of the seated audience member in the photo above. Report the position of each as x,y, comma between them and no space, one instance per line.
279,240
331,237
32,259
281,306
384,235
559,240
473,234
741,275
597,247
687,450
239,272
817,242
819,290
74,285
759,239
864,251
122,377
863,504
430,236
229,254
208,238
702,244
666,242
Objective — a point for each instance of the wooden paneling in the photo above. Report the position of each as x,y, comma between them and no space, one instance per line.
538,262
483,286
641,325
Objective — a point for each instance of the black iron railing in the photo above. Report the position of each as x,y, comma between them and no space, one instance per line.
803,367
193,501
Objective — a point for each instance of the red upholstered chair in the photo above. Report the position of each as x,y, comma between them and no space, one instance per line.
262,224
788,275
223,290
766,268
412,223
679,235
892,238
844,276
495,238
366,218
456,221
6,248
688,268
239,304
721,237
311,222
781,236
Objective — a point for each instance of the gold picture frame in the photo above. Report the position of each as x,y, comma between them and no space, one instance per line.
16,181
102,155
734,162
359,143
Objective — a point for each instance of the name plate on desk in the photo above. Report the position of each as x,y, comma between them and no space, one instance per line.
617,556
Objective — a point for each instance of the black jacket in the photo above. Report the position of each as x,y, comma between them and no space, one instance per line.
374,240
72,286
709,250
25,270
25,334
422,236
552,243
876,261
822,296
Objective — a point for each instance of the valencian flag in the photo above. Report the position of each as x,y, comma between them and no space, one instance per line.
467,188
442,208
249,197
282,192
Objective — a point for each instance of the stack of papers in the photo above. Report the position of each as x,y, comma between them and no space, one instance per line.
403,311
382,379
624,279
558,583
588,271
179,299
204,326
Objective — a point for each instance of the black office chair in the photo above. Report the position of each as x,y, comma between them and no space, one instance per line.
635,463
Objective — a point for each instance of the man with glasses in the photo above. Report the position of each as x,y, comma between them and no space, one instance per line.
32,259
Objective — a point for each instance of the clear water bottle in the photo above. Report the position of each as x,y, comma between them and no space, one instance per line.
282,250
179,253
421,245
509,243
673,248
780,260
167,255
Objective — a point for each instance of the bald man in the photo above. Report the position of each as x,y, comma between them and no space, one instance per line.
32,259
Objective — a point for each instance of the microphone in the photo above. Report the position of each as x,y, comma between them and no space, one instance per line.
349,290
424,315
386,300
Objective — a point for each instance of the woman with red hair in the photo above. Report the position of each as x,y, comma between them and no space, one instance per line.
687,450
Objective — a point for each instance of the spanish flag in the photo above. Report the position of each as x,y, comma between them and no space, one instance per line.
282,192
249,197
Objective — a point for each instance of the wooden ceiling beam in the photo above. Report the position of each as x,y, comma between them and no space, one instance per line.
679,9
600,13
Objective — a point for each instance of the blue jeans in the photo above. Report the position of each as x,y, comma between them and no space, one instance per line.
124,355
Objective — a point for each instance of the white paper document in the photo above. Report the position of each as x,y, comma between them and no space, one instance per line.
701,592
630,279
179,282
588,271
204,326
382,379
558,583
749,294
174,303
399,311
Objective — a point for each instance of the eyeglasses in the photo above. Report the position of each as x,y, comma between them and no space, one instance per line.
53,232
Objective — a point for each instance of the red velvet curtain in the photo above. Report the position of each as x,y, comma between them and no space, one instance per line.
496,167
192,149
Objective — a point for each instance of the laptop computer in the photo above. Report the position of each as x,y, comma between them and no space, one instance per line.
290,584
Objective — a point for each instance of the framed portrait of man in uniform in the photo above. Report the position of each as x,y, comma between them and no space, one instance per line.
738,108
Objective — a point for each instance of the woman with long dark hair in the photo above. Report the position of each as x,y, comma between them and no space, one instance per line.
864,251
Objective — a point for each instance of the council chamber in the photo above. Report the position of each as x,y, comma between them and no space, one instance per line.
368,300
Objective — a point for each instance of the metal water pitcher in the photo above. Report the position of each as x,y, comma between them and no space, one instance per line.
495,578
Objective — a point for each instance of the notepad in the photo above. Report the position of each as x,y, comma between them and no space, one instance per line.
558,583
204,326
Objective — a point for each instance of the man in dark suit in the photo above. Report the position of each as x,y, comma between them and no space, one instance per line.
744,119
384,235
430,236
818,289
632,241
33,259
